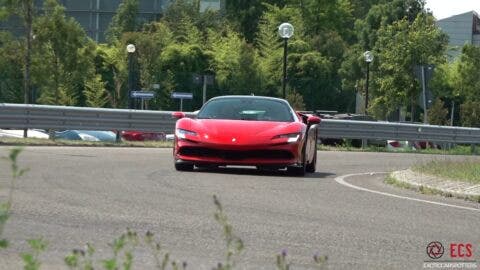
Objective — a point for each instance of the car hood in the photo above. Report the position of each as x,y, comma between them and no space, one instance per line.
238,132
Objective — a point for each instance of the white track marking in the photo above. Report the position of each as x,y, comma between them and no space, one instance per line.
341,181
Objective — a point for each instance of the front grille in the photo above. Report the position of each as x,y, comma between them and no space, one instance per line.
235,154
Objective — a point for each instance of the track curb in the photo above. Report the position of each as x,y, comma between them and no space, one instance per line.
447,187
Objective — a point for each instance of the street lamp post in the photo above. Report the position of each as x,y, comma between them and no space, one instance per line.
131,51
285,30
368,59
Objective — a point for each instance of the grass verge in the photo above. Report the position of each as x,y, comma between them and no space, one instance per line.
46,142
458,150
427,190
465,171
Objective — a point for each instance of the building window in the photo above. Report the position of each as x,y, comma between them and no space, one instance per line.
476,24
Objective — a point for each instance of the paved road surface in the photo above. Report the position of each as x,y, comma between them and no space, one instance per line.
76,195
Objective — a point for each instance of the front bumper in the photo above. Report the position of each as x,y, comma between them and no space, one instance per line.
247,155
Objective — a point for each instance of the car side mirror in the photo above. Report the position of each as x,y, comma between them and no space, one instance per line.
312,120
178,115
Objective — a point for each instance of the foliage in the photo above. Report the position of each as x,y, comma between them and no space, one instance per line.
95,93
246,15
31,259
234,244
11,62
124,20
444,80
466,170
63,59
400,47
383,14
270,46
235,63
25,9
328,15
5,207
467,80
241,47
296,100
470,113
438,114
111,65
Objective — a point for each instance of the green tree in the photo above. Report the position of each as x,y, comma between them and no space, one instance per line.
110,63
362,7
444,79
235,64
24,9
352,75
181,18
182,61
438,114
63,58
296,101
467,85
269,44
470,113
149,43
311,74
163,98
11,73
399,48
95,92
383,14
325,15
246,15
125,20
468,82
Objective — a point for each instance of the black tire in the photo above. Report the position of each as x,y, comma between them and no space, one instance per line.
183,166
297,171
311,167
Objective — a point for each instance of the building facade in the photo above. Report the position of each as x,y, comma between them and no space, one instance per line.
461,29
95,15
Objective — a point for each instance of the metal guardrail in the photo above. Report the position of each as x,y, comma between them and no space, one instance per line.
22,116
62,118
349,129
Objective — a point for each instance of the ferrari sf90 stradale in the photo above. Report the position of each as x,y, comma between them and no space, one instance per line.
246,130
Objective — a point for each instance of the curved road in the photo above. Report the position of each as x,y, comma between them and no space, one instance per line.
74,195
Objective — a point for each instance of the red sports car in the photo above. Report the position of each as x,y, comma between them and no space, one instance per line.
249,131
133,135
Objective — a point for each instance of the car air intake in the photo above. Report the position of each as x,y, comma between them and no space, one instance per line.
235,154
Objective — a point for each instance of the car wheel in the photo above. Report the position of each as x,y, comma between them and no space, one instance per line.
311,167
301,169
183,166
296,170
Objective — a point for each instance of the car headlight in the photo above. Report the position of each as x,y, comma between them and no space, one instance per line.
88,137
291,138
182,133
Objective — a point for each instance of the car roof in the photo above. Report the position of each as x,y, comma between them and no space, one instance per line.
249,96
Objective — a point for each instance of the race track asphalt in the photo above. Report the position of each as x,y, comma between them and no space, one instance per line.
74,195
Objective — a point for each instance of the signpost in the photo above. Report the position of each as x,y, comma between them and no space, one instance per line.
425,73
205,80
182,96
143,95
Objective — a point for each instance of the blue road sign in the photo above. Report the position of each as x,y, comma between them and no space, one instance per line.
182,95
142,94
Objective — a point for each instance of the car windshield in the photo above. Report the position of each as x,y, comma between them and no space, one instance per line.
253,109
